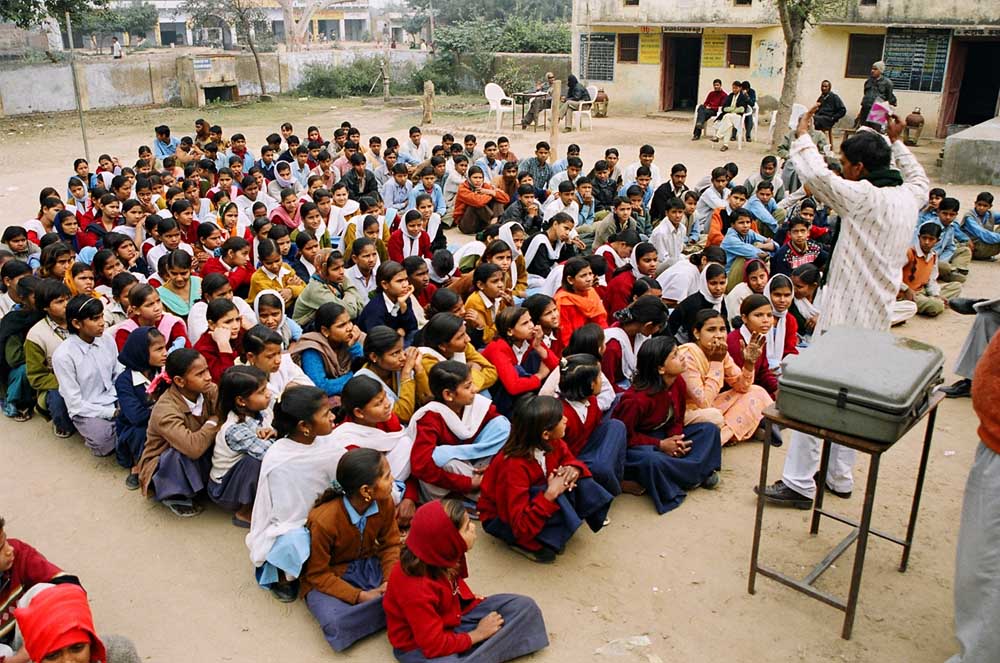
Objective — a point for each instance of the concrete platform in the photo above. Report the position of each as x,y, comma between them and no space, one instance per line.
972,156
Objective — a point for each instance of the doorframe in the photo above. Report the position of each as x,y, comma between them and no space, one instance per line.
952,88
667,71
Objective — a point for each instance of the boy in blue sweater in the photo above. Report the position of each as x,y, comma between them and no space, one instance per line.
980,225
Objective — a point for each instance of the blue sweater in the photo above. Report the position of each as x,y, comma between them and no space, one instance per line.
740,246
312,365
975,227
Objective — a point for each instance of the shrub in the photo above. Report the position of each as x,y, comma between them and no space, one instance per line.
354,79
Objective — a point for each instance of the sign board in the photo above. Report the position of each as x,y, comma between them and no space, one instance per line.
649,48
202,64
682,29
916,58
977,32
597,56
713,50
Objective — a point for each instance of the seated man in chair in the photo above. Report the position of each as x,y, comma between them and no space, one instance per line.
709,109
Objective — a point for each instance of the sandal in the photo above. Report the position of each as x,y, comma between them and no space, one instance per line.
22,416
61,434
239,522
541,556
182,508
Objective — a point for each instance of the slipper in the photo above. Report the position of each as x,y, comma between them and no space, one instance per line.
241,523
61,434
182,508
21,416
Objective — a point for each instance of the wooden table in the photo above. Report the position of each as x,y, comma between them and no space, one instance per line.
524,99
859,530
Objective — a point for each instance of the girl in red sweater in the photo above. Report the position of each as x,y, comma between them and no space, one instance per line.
410,239
642,262
521,359
577,299
220,345
594,439
545,314
756,328
535,493
457,434
430,612
641,320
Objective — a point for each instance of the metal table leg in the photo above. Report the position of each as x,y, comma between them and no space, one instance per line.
859,553
824,466
921,473
758,521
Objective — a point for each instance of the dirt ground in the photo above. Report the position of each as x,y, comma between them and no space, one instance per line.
184,590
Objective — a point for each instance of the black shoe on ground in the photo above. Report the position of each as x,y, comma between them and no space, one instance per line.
964,305
712,481
829,489
960,389
780,494
132,482
542,556
286,593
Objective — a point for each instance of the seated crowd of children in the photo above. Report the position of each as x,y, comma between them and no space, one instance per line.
292,338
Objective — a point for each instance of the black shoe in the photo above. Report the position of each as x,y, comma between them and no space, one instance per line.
712,481
837,493
780,494
542,556
132,482
964,305
960,389
286,593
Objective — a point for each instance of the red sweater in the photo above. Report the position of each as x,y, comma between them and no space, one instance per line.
579,432
619,293
643,412
179,330
611,364
423,613
500,354
239,278
395,246
762,374
432,431
985,383
218,361
425,295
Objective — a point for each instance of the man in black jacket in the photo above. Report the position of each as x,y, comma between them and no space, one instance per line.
734,108
831,108
575,95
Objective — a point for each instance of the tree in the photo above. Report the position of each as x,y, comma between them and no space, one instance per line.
413,25
27,14
451,12
795,16
242,14
298,16
138,17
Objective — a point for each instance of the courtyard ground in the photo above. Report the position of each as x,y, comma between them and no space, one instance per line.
184,589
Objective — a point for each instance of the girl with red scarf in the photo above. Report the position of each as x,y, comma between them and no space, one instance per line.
432,614
577,300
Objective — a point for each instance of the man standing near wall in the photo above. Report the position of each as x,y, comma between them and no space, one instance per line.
709,109
831,108
876,87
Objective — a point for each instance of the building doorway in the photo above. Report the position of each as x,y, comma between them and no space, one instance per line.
680,64
971,92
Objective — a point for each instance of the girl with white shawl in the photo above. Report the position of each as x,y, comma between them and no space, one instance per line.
545,249
779,291
456,435
296,470
512,233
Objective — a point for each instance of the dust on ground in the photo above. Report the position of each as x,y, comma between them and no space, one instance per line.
184,589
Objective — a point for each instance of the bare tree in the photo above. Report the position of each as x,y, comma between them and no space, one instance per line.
795,16
298,15
244,15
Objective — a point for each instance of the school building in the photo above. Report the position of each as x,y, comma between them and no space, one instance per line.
658,55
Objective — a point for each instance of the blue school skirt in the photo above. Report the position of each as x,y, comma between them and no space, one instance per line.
239,485
177,476
289,553
522,633
604,454
344,624
666,478
588,502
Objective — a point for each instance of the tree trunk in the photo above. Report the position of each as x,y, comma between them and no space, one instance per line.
792,25
256,60
291,28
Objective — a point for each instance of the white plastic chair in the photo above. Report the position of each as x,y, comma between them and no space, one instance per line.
499,102
755,114
586,109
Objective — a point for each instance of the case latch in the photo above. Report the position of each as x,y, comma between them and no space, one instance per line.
842,398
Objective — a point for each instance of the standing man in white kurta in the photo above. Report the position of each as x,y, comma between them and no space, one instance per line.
876,205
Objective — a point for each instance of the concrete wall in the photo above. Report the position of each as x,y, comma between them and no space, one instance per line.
973,156
139,81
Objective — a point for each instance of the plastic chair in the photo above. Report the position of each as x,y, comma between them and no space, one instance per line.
755,115
586,109
499,102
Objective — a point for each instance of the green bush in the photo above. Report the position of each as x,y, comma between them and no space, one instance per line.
355,79
516,35
442,70
513,77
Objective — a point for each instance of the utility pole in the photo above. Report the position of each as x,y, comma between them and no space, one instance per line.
76,89
554,127
430,11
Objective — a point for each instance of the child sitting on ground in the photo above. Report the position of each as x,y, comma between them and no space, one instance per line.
920,283
143,356
326,354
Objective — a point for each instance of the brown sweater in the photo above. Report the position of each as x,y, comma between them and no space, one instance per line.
336,542
985,384
171,424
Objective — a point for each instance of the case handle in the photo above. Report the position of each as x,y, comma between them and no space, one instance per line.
842,398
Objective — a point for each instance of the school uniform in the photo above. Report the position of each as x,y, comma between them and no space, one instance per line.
303,269
652,417
577,310
682,317
920,276
448,448
513,507
541,255
983,231
134,401
403,245
596,441
787,258
763,376
428,617
263,279
516,368
239,277
173,303
173,329
381,310
218,361
364,285
350,552
236,459
29,568
488,309
178,455
86,373
619,292
328,367
482,379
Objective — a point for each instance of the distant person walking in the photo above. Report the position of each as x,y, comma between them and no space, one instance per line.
116,49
